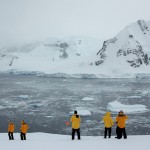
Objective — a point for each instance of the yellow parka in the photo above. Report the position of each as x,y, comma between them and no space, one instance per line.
108,121
11,127
121,121
24,128
75,121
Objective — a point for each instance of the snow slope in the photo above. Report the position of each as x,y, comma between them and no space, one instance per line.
43,141
128,52
72,55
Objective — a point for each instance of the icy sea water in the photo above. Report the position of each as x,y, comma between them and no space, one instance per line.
45,103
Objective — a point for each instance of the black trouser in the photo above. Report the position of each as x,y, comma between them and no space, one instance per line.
121,131
23,136
117,131
78,133
10,134
109,132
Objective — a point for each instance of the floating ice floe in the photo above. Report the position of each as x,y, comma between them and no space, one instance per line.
82,112
49,116
23,96
88,99
145,93
57,142
134,97
117,106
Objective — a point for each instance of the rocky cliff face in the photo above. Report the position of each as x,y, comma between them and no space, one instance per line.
132,43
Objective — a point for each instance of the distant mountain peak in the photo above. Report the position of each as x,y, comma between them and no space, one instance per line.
143,25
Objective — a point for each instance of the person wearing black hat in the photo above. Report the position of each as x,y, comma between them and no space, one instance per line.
23,130
75,120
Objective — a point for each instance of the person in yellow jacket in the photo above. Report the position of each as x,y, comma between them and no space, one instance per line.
24,128
121,123
108,123
75,120
11,128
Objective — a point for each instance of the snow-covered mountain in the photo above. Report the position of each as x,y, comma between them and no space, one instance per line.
54,55
128,53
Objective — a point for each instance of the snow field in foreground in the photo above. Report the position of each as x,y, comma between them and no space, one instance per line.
44,141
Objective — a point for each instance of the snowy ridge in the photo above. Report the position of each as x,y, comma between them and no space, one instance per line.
129,51
79,76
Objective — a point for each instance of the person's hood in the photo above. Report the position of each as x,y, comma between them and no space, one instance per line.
107,114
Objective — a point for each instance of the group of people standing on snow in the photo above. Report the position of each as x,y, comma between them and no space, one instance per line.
75,120
120,121
23,130
108,123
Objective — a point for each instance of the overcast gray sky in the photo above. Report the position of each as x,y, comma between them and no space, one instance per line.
22,20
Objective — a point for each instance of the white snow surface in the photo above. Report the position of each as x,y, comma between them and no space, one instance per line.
116,106
44,141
